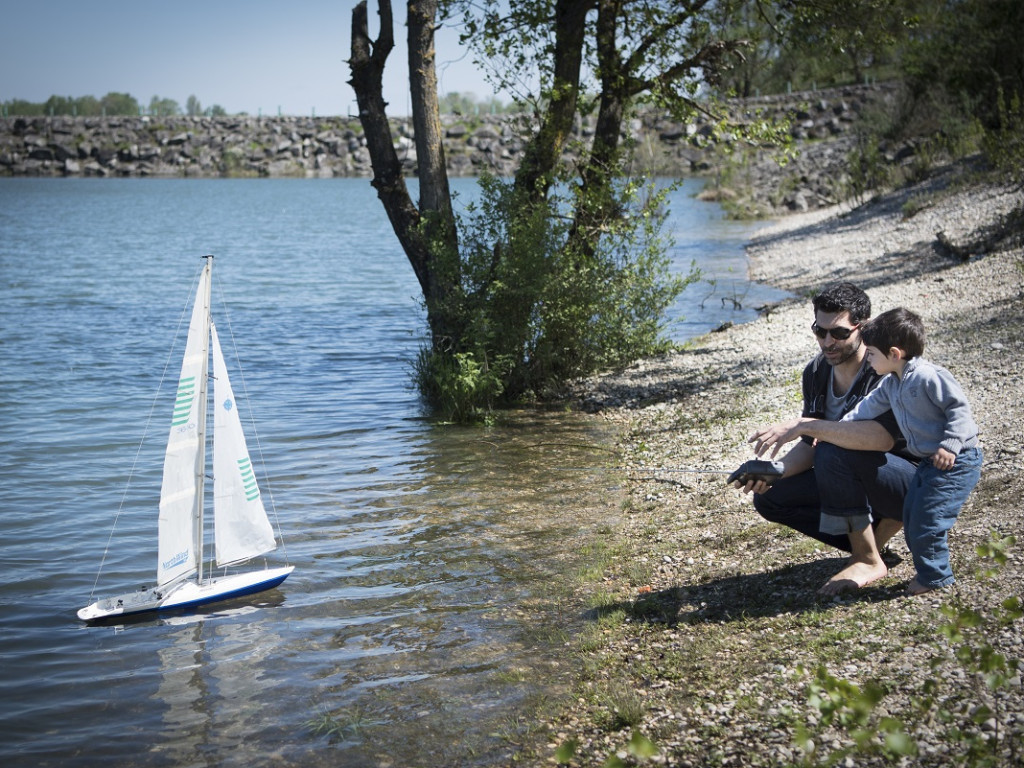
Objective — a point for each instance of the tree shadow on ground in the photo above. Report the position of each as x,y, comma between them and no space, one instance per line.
663,381
788,590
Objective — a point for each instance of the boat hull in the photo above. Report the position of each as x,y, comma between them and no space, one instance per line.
185,595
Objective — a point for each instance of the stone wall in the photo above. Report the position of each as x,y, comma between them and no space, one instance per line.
335,147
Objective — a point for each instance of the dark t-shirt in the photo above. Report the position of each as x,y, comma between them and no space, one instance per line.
816,380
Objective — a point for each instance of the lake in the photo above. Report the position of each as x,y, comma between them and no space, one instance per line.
431,602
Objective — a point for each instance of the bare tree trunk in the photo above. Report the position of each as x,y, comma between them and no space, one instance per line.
602,164
427,233
435,194
542,154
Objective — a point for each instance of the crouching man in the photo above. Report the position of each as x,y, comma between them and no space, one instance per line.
837,465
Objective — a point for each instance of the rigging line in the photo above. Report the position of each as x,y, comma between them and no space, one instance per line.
585,446
683,470
252,419
145,433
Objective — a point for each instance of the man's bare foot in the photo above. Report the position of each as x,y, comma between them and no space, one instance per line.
855,575
915,587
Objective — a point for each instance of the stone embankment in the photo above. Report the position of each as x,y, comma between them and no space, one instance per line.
822,124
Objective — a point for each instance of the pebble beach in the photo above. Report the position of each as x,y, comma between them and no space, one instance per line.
706,639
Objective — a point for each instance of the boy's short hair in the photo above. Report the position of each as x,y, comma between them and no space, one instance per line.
844,297
896,328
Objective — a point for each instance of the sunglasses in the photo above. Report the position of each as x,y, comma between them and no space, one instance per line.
839,334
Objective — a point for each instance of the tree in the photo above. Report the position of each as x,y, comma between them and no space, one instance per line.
970,53
467,104
89,106
192,107
119,104
163,107
562,270
427,231
22,107
58,105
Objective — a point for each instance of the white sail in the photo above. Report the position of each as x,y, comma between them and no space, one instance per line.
178,554
241,527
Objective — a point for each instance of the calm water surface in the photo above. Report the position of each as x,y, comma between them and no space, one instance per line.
424,617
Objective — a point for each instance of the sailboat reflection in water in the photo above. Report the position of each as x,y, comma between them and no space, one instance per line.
241,528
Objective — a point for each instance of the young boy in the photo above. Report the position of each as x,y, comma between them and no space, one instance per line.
932,411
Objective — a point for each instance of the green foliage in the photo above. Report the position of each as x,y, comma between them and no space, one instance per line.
802,46
994,554
468,105
119,104
460,387
867,167
964,73
163,107
85,106
968,632
624,707
962,714
536,313
970,51
111,105
1004,144
348,724
841,704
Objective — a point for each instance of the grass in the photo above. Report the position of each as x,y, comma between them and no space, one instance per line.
346,724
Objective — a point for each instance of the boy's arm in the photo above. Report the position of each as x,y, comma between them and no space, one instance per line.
874,404
944,391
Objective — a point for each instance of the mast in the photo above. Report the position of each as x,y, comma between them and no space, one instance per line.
200,469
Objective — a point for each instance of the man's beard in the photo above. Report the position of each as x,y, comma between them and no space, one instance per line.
846,355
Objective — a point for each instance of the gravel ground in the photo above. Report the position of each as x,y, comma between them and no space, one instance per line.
705,634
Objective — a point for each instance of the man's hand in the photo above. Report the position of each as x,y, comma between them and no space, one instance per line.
775,436
755,474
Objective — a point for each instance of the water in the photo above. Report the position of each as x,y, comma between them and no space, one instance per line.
715,244
429,607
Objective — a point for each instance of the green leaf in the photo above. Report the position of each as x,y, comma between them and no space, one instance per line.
899,743
642,747
566,751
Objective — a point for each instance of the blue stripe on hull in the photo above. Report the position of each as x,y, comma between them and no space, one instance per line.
250,590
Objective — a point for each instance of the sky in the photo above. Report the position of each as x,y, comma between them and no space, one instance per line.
252,56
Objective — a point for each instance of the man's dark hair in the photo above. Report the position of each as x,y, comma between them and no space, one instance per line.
896,328
844,297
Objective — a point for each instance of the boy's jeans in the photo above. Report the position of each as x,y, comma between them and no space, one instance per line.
933,503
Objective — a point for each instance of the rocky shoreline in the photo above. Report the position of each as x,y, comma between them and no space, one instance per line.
823,125
706,635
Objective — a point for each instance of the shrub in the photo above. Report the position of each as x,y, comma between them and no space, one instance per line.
537,313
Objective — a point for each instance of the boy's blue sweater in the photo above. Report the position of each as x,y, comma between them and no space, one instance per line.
930,407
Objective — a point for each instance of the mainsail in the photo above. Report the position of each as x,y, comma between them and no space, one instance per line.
181,491
241,527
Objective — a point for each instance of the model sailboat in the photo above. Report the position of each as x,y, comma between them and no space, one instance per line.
242,530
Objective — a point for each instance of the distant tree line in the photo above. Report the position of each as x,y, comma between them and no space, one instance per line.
467,104
113,104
